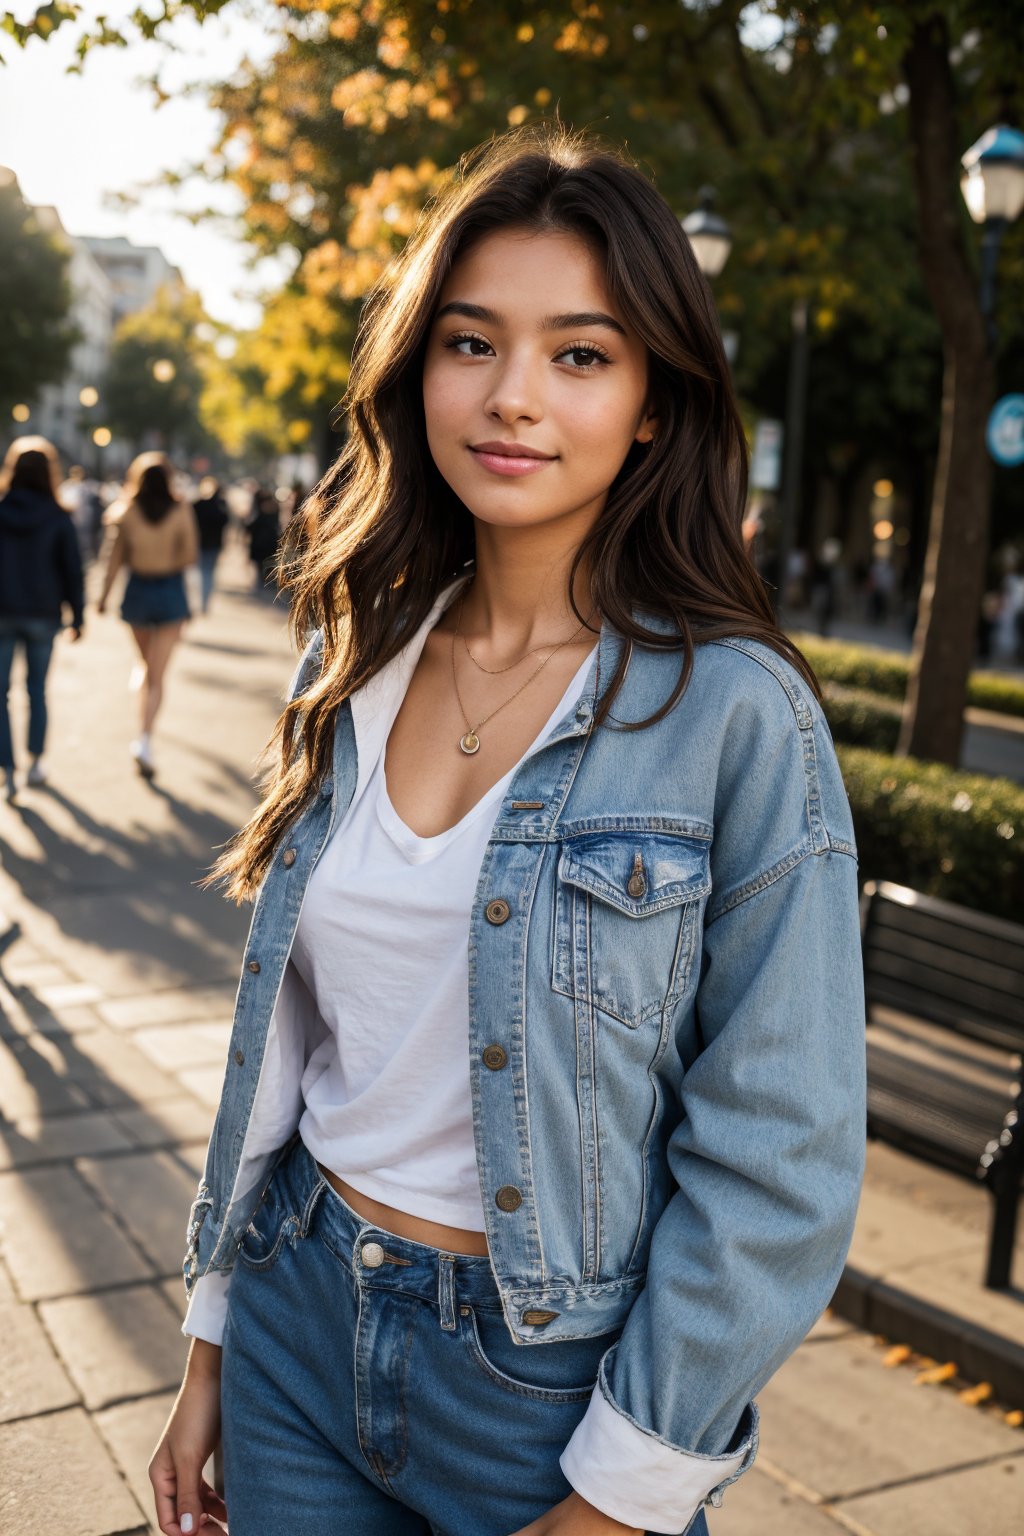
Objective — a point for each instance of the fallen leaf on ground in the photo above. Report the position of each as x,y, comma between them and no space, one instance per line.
937,1373
896,1355
972,1396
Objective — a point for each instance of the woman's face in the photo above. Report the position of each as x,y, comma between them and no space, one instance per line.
528,351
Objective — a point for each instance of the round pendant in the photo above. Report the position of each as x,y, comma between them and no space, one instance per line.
470,743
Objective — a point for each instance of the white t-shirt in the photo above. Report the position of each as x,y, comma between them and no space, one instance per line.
382,944
387,1091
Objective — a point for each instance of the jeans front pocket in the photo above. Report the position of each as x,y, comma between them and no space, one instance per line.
563,1372
271,1224
627,905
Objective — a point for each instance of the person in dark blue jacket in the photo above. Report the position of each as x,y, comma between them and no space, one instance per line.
40,573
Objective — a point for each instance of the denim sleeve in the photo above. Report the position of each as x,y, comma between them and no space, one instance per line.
768,1160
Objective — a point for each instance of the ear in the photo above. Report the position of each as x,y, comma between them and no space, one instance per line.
647,430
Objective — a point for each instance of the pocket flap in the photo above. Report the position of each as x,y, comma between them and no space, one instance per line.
638,872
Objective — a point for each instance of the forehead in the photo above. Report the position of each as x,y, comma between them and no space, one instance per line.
516,270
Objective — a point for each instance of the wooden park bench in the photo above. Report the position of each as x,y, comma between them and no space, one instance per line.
945,1004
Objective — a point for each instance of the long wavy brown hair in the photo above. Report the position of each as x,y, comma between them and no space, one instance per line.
383,533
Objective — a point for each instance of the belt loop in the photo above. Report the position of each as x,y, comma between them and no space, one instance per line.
446,1290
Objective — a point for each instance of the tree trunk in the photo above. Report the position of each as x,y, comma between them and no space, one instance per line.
954,570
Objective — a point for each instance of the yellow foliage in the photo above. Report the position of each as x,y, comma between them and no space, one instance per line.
1015,1418
524,33
542,97
517,115
896,1356
972,1396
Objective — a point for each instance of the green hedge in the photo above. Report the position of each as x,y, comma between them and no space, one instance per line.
959,836
885,672
862,719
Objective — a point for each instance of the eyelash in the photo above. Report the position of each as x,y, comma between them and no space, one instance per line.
601,357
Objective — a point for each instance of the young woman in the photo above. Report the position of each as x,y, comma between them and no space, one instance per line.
541,1130
40,575
154,535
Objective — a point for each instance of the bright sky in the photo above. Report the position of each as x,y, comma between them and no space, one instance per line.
72,140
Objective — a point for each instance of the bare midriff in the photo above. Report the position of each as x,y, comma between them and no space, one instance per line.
401,1224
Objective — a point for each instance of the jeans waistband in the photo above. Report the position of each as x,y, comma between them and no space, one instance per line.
379,1258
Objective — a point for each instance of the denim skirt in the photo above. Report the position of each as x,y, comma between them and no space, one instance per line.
152,600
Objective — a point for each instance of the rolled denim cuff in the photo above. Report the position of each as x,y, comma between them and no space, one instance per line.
208,1307
634,1476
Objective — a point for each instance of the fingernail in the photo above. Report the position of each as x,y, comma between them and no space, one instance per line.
186,1522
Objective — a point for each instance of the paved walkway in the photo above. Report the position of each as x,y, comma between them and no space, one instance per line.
116,982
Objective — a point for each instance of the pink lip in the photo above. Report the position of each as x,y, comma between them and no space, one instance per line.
510,458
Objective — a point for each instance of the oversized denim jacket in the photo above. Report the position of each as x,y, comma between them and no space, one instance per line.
665,944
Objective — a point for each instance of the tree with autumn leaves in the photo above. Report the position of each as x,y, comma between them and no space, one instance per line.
832,134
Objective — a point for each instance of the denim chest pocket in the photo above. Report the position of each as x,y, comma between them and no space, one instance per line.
627,907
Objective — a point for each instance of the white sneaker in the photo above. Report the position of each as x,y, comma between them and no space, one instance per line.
143,755
37,772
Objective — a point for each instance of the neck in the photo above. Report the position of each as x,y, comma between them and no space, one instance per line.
519,596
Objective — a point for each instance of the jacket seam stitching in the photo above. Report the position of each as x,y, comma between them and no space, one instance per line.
772,876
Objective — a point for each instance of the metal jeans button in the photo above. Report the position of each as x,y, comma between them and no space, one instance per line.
372,1255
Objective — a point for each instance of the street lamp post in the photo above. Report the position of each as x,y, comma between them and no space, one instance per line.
993,188
708,233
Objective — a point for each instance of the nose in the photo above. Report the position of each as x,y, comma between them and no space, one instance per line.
515,391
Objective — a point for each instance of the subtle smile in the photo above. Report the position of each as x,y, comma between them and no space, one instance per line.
510,458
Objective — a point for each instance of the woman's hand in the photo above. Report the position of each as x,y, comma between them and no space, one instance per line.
184,1499
575,1517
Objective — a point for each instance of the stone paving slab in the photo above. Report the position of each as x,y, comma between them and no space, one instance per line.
178,1006
840,1423
57,1479
759,1506
167,1122
175,1047
33,1080
131,1432
117,1344
151,1193
115,1074
32,1380
983,1501
205,1082
56,1138
57,1240
174,1292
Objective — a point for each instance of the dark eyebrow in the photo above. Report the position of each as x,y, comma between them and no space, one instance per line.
568,322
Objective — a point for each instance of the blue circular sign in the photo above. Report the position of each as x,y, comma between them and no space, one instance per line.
1005,431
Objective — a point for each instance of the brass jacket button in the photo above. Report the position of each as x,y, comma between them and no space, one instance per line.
254,966
498,911
537,1319
288,857
508,1198
637,882
240,1058
494,1057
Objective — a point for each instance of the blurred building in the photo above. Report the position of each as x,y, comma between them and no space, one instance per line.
109,279
135,272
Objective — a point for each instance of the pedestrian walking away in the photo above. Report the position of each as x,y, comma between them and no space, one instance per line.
263,525
212,519
542,1125
40,578
153,535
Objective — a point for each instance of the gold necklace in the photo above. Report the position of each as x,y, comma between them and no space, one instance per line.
470,742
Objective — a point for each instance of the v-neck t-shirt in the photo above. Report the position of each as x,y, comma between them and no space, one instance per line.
382,944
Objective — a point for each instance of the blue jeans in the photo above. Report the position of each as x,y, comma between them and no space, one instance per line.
37,637
207,567
369,1385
